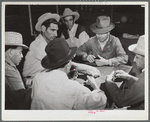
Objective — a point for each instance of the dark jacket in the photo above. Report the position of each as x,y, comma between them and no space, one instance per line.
132,95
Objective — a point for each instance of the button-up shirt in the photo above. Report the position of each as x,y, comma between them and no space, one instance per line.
112,50
60,93
12,75
73,41
36,52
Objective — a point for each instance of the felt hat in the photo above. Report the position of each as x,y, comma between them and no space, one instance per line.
45,17
138,48
69,12
102,25
58,53
14,39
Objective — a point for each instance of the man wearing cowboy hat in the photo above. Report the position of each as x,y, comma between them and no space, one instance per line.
133,94
74,34
53,90
16,95
104,45
47,25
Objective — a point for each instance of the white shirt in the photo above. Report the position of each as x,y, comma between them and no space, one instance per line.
54,91
73,41
36,52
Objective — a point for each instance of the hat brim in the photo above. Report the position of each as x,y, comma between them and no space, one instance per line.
21,45
97,30
39,23
75,14
133,48
49,65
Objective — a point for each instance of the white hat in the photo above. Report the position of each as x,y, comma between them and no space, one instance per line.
138,48
45,17
69,12
14,39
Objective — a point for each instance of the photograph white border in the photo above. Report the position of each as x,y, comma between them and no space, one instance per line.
27,115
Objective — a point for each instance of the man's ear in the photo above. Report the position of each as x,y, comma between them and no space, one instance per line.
10,52
43,28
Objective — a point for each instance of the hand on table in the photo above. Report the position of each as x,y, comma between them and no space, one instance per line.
91,82
101,62
90,58
109,78
122,74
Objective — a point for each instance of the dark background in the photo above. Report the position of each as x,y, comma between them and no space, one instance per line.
127,18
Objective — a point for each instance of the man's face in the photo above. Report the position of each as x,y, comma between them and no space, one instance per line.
69,22
102,37
16,55
51,32
139,61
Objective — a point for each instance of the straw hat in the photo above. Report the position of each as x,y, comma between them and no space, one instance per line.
14,39
45,17
69,12
138,48
102,25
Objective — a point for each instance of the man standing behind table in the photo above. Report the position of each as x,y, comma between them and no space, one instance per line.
52,90
74,34
104,45
133,94
47,25
16,95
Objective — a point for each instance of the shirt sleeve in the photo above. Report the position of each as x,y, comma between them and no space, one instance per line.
83,38
90,100
121,56
14,79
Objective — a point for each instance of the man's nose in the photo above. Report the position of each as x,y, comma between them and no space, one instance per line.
55,34
134,59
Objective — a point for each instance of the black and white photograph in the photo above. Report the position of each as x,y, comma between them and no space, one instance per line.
75,61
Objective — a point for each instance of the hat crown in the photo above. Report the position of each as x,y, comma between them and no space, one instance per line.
13,38
67,11
103,21
57,50
140,47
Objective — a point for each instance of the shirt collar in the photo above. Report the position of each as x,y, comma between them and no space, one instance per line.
104,41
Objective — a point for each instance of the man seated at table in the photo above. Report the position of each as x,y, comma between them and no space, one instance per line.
16,95
104,45
53,90
133,92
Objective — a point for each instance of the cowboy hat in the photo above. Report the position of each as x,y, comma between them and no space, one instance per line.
45,17
14,39
138,48
69,12
58,53
102,25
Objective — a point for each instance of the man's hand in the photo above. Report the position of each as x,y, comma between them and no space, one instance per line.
122,74
91,82
109,78
102,61
89,58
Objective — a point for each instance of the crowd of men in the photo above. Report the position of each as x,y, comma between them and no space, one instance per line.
45,83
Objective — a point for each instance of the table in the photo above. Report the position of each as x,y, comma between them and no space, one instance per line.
106,70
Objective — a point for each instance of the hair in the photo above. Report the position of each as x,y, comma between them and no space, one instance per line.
49,21
10,47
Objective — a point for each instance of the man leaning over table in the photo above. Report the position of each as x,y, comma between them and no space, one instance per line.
53,90
104,45
47,25
133,93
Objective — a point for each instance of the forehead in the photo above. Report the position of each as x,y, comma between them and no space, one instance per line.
68,18
53,26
